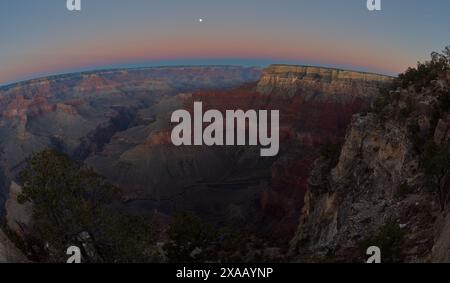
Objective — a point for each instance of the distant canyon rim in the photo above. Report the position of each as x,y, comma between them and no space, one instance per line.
119,123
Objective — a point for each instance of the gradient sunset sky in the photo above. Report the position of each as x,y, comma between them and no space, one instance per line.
40,37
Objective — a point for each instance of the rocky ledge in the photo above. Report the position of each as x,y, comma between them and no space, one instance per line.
292,80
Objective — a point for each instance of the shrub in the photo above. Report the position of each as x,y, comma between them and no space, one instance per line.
425,73
70,199
381,101
186,234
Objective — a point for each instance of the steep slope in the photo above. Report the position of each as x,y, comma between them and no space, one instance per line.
118,122
337,84
233,185
79,113
389,185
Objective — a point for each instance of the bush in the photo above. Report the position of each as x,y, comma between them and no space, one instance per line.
70,199
381,101
186,234
425,73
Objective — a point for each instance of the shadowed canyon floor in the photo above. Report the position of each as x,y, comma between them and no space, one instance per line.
118,122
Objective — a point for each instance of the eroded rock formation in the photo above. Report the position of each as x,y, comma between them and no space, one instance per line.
379,187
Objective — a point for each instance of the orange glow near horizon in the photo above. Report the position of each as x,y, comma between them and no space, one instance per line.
43,39
107,53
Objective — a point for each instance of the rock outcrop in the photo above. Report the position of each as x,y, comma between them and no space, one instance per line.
289,80
79,113
118,122
237,184
379,190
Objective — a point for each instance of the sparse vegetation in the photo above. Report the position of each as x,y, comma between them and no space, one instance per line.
70,199
191,240
425,73
73,205
419,77
428,80
188,239
380,102
434,158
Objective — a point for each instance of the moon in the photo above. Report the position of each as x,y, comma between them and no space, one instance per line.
200,20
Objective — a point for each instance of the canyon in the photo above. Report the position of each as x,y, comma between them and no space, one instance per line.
119,123
234,134
389,183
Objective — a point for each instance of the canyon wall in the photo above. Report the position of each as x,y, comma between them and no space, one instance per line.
335,84
385,186
118,122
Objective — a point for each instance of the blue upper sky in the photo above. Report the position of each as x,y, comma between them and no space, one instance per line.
41,37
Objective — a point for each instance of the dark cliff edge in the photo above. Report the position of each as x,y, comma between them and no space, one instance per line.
389,184
118,122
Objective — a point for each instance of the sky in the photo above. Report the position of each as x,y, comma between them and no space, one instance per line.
41,37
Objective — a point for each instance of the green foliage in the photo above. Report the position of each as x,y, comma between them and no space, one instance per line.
425,73
434,158
419,77
186,234
380,103
128,239
69,199
389,239
382,100
191,240
232,245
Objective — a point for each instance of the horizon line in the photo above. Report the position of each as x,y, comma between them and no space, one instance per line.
105,69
